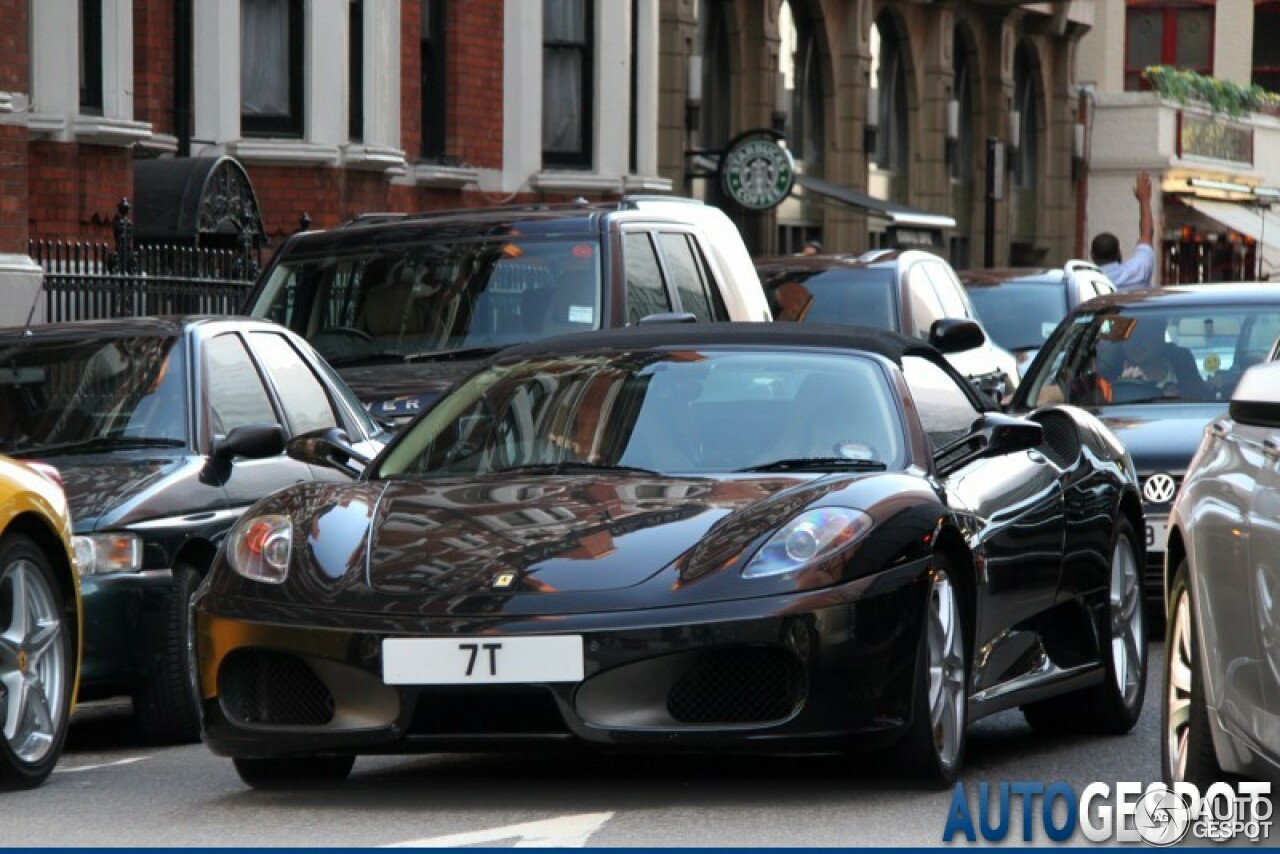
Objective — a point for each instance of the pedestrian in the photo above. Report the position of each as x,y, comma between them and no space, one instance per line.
812,247
1135,273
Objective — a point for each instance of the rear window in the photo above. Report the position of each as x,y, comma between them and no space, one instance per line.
409,299
1020,315
856,297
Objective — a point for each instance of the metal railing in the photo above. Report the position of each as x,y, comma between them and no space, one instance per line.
91,281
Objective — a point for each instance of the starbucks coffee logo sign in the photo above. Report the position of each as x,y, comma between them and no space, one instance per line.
756,171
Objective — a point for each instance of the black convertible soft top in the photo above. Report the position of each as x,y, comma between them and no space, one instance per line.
882,342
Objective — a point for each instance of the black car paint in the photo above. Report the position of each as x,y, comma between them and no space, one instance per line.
179,502
852,622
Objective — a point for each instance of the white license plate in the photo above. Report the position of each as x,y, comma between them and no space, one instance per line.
1157,534
482,660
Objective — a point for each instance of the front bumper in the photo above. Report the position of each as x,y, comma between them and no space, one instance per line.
124,623
803,671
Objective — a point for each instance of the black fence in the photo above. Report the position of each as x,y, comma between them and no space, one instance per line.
91,281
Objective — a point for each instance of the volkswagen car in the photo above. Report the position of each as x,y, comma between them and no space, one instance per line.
691,536
1156,366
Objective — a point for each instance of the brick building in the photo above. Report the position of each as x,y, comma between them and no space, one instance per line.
336,107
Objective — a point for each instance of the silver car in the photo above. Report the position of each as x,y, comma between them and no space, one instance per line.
1221,701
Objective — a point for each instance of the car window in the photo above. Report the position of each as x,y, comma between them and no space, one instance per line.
684,273
236,396
713,285
950,294
306,404
865,296
946,412
925,305
1020,315
646,294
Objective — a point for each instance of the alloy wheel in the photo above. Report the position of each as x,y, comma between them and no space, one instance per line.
1128,635
946,670
33,662
1178,718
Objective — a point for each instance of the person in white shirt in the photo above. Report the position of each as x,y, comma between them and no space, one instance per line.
1135,273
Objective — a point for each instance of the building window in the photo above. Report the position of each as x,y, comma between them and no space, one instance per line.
962,157
1266,47
1166,34
1027,166
567,60
91,57
431,53
271,37
889,76
803,101
355,68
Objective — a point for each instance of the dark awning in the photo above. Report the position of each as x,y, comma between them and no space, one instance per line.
896,214
198,201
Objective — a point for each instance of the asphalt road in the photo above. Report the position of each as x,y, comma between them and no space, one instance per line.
111,790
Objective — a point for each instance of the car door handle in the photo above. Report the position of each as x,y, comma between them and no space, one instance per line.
1271,448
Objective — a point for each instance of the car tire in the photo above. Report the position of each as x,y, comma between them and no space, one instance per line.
934,745
38,660
165,708
1113,706
294,771
1186,745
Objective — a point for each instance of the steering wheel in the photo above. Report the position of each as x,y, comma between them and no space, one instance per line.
345,332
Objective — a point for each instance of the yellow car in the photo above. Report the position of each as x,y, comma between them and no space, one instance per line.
40,623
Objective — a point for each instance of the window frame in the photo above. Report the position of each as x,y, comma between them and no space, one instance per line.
293,429
433,77
672,298
205,401
355,70
1265,9
584,158
92,98
714,305
1169,13
289,126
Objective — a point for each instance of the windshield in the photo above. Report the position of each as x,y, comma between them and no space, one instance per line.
862,296
71,392
666,411
395,301
1153,354
1020,315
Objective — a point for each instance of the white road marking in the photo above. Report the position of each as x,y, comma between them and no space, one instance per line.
566,831
128,761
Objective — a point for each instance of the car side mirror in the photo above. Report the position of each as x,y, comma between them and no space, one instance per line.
993,435
1256,399
328,447
955,335
251,441
668,317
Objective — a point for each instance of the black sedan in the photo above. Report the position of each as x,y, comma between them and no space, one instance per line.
1157,367
684,537
163,430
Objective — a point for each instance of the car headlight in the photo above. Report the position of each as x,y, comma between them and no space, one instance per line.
99,554
811,536
259,548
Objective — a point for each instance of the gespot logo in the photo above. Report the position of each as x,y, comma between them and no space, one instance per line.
1156,814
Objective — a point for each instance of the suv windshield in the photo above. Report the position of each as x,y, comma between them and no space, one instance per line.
401,301
1020,315
863,296
89,393
665,411
1153,354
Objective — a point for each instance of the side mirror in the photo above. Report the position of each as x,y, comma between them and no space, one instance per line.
1256,399
992,435
955,335
328,447
668,317
251,441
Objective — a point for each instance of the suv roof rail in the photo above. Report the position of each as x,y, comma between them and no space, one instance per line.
1080,264
627,202
873,255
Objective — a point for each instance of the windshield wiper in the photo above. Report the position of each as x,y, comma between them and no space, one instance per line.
365,358
573,465
454,353
99,443
818,464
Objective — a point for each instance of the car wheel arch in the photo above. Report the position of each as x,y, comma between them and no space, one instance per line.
1131,507
951,544
38,531
1175,554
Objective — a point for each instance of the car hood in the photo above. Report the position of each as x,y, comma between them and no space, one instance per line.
402,391
551,534
98,486
1160,437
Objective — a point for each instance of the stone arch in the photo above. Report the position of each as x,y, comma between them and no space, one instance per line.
894,77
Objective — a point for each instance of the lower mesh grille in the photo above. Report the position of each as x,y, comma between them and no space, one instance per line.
261,687
742,685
